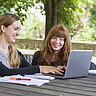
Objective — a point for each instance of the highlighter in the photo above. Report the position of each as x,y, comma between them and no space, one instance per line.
14,78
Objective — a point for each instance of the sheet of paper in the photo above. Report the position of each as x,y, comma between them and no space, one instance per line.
40,76
37,82
92,72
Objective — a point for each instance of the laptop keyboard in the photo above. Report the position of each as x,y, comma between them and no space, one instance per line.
55,75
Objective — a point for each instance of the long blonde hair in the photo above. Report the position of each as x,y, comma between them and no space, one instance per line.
6,20
47,51
14,58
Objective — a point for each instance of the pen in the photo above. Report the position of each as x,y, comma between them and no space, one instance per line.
14,78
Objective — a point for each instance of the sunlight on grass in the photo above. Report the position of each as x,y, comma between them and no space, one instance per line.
27,51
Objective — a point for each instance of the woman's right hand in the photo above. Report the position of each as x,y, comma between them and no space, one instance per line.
51,69
61,67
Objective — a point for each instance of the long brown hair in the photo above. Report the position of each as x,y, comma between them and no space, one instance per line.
6,20
47,51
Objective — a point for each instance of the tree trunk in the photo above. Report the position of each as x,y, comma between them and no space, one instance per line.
52,16
48,10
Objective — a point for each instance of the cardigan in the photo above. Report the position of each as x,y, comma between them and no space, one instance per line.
37,56
24,68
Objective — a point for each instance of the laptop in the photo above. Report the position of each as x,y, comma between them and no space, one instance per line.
78,64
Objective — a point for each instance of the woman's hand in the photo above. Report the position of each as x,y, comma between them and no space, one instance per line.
51,69
61,67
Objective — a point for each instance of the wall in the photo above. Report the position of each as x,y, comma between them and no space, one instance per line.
37,44
29,43
82,45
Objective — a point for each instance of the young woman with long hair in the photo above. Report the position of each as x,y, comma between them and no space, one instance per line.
56,48
12,62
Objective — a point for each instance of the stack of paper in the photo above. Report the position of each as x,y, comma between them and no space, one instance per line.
92,72
40,76
27,79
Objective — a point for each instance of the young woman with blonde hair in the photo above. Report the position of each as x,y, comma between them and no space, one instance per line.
12,62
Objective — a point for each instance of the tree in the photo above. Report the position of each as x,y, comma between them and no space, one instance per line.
56,11
92,19
51,14
89,34
32,27
62,11
19,7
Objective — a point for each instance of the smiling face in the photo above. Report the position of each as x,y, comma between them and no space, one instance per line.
12,31
57,43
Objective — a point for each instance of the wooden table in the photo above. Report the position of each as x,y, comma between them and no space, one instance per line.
70,87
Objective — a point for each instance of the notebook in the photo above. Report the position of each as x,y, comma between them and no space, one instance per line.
78,64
